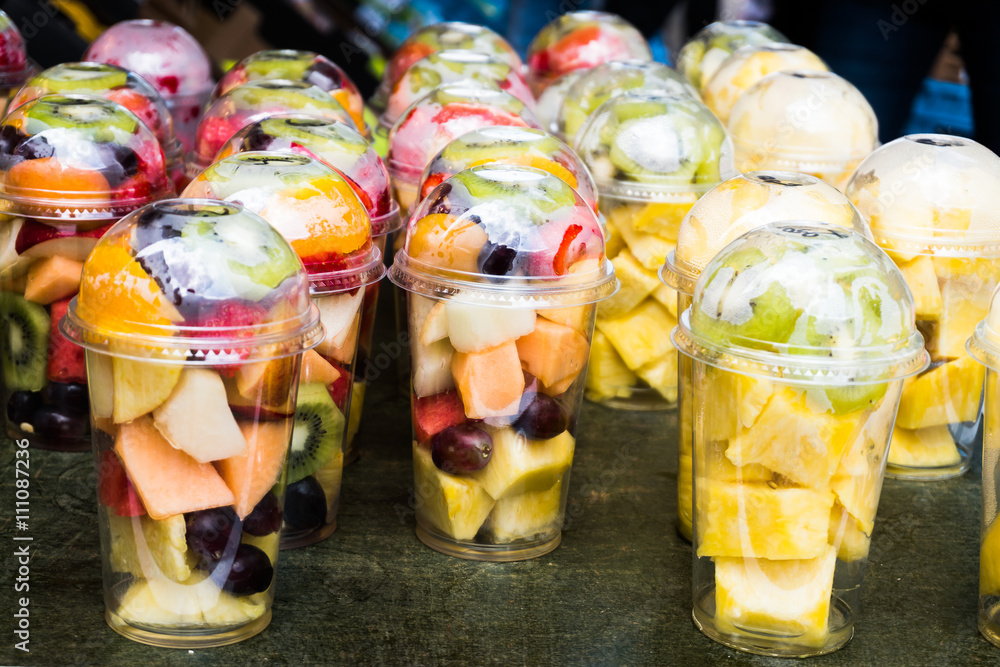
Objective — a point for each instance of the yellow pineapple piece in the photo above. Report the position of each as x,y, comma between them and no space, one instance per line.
636,284
661,375
164,539
662,219
520,465
923,284
957,219
736,402
714,464
684,491
947,394
642,336
847,535
574,317
668,297
963,308
790,598
989,560
607,375
931,447
754,520
527,515
649,249
457,505
615,242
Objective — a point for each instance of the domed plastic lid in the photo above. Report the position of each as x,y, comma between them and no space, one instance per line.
195,281
307,66
253,101
654,147
313,207
444,67
747,202
78,156
577,40
984,345
549,103
334,144
443,114
931,194
110,82
162,53
510,145
748,65
804,117
705,52
599,84
809,303
505,235
14,64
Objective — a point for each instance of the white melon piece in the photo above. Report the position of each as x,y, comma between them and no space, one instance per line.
100,380
418,308
432,368
338,312
196,418
474,328
435,326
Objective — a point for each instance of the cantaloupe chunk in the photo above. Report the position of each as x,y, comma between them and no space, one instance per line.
456,505
490,382
947,394
553,352
317,369
168,480
251,475
923,284
931,447
53,279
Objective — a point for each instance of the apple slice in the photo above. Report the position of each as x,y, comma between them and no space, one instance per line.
435,326
338,313
432,368
37,239
474,328
196,418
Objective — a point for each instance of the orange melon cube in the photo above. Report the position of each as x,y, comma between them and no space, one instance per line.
553,353
52,279
490,382
251,475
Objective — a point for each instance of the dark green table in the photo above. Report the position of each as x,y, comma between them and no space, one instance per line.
616,592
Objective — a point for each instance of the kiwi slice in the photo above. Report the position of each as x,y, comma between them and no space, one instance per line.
635,109
83,113
855,397
422,78
24,342
315,133
82,77
279,65
318,431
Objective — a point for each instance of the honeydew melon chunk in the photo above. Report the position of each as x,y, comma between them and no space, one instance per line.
520,465
948,394
196,418
607,375
931,447
636,284
456,505
474,328
418,308
338,312
528,515
432,368
435,325
641,336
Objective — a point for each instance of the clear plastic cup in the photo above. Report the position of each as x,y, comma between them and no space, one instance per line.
431,122
15,68
194,315
800,336
317,211
442,67
118,85
581,39
724,213
169,58
549,103
707,50
254,101
748,65
503,266
652,157
71,166
599,84
803,120
932,202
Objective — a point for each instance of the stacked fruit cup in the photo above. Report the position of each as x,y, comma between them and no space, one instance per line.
340,147
118,85
503,266
15,68
169,58
194,315
318,213
581,40
306,66
652,156
71,167
931,201
803,120
800,335
549,103
706,51
724,213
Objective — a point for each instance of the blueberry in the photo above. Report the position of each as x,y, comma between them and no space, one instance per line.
35,148
22,405
499,260
305,505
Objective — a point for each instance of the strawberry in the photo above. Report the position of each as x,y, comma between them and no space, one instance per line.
431,182
141,106
213,133
67,361
231,319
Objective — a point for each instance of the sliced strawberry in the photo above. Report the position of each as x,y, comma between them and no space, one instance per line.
463,110
67,361
213,133
559,263
432,181
433,414
141,106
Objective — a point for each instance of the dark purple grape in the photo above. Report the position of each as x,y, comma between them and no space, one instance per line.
500,261
257,140
265,517
209,531
542,417
118,163
10,137
305,505
53,422
22,405
35,148
251,571
440,203
70,396
461,448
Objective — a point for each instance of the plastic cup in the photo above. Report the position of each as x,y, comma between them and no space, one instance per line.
932,203
194,340
500,293
15,68
71,167
549,103
803,120
318,213
169,58
707,50
578,40
748,65
652,156
724,213
800,336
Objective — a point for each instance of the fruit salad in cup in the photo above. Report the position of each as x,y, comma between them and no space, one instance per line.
706,51
194,315
549,103
578,40
652,156
723,214
502,265
931,201
801,335
15,68
803,120
316,210
71,166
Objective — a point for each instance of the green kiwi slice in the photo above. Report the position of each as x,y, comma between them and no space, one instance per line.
24,342
83,113
82,77
318,431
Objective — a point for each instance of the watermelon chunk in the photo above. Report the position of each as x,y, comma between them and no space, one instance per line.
433,414
67,361
114,488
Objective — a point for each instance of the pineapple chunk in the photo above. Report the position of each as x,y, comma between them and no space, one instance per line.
649,249
525,516
989,560
636,284
753,520
717,466
164,539
736,402
574,317
197,601
668,297
661,375
662,219
457,505
952,219
789,598
520,465
607,375
642,336
847,535
948,394
961,312
684,491
615,242
931,447
923,284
